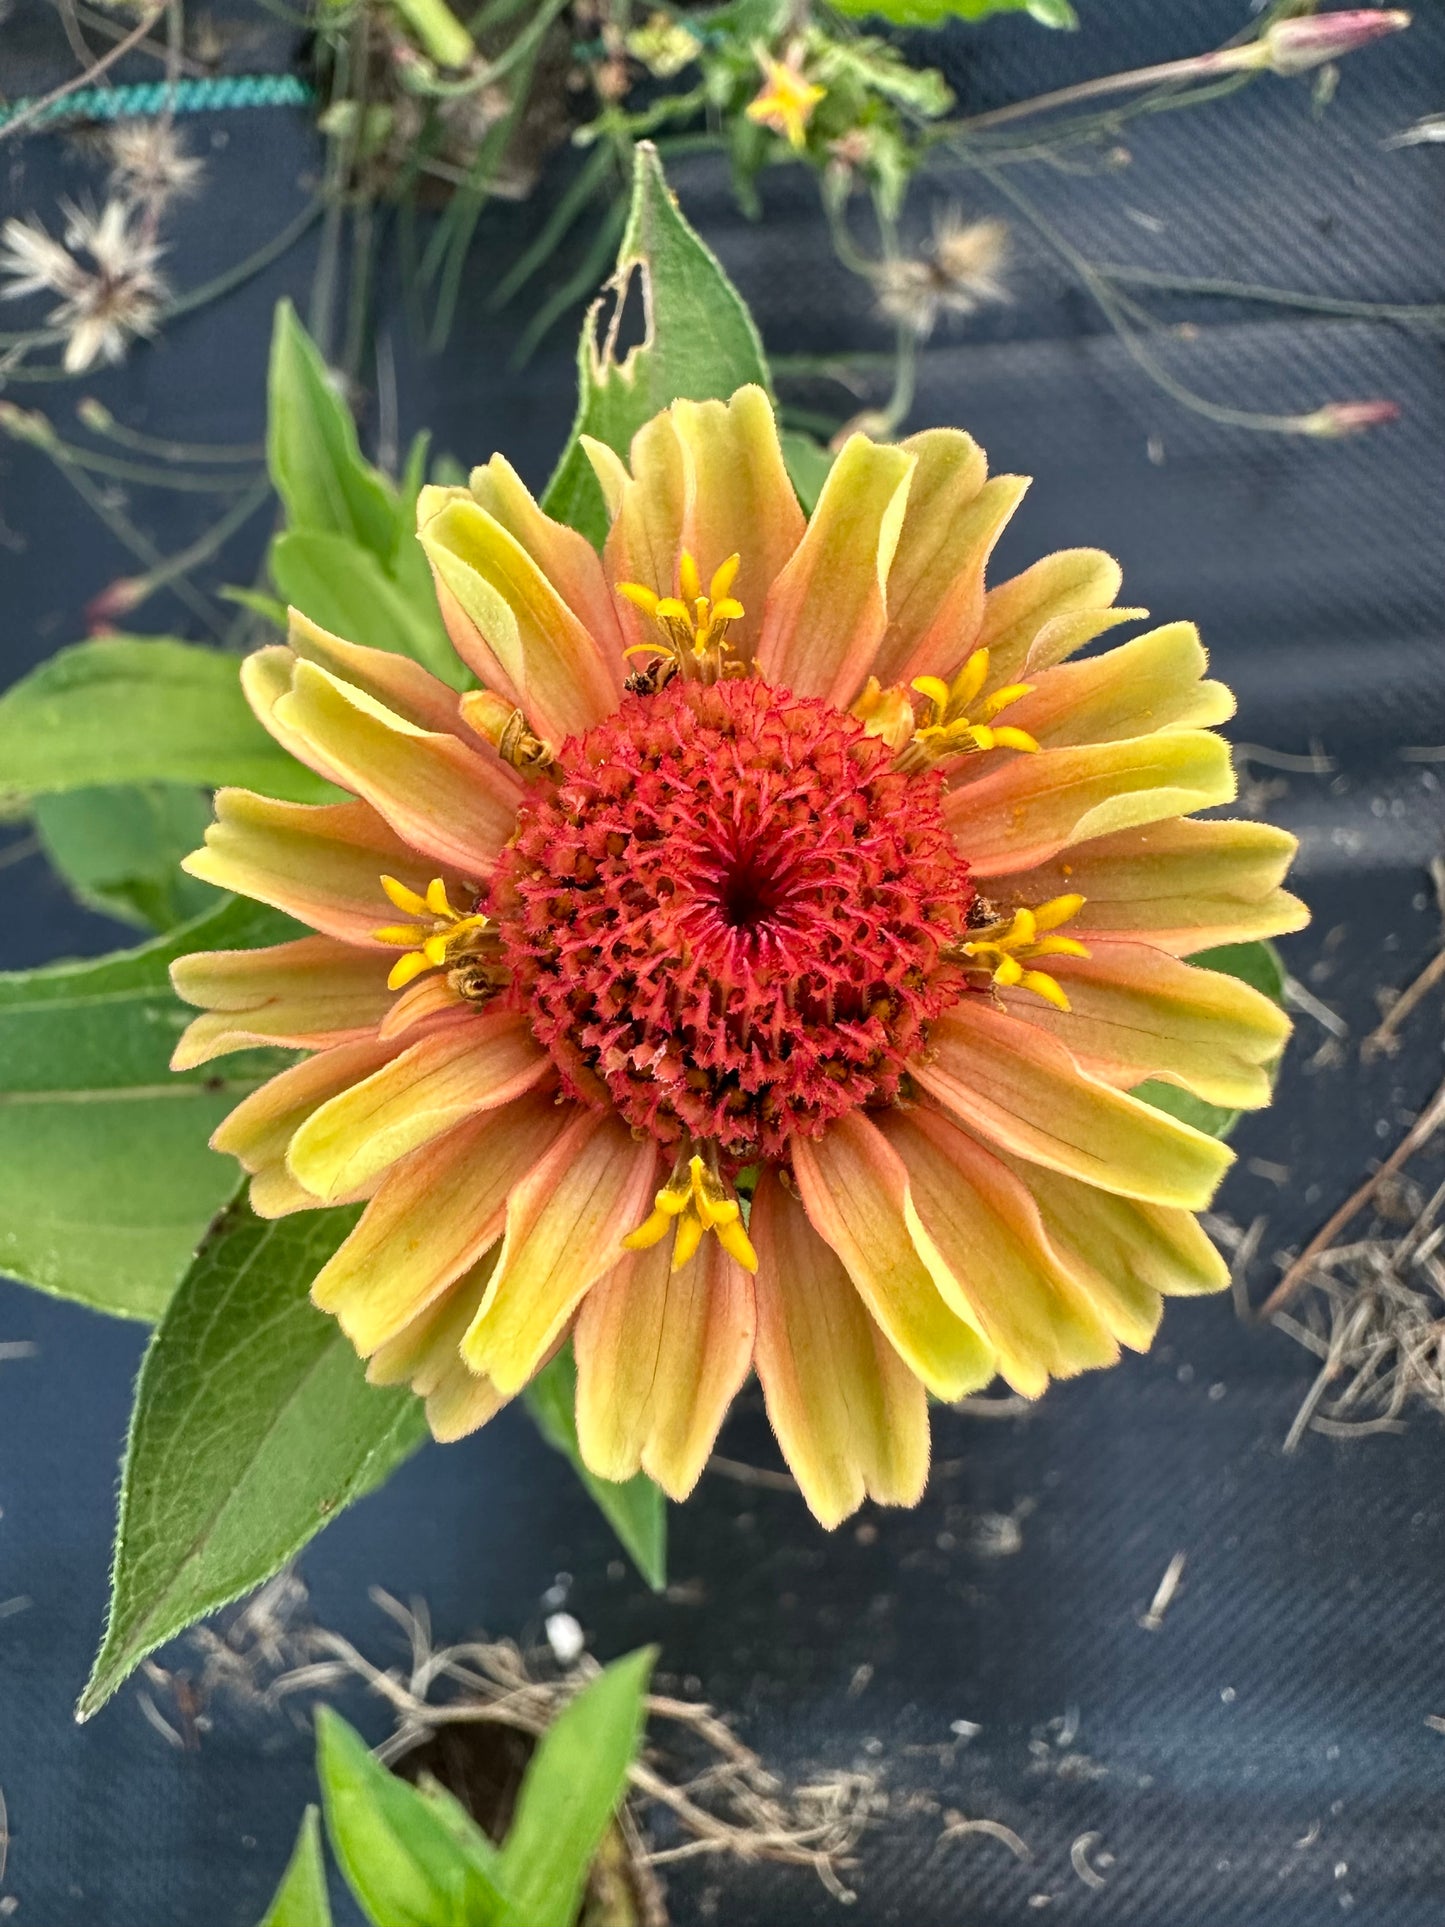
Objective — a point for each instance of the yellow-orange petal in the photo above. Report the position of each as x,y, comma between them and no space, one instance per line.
434,1216
827,611
1157,681
1012,1084
304,995
980,1234
388,677
447,800
1180,885
317,861
1020,615
1135,1012
853,1185
265,680
425,1355
565,1225
475,1062
431,996
661,1354
851,1419
510,625
935,587
1022,813
567,560
259,1130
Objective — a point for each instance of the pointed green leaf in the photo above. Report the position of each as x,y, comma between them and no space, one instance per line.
134,709
253,1426
119,849
106,1180
312,451
301,1898
933,13
405,1863
575,1782
700,342
636,1510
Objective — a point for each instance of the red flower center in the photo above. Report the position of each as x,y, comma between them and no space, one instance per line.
729,917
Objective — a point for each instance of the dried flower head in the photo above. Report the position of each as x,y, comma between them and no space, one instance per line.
957,273
754,974
106,300
149,166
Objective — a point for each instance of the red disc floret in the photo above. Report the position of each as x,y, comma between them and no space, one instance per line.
729,918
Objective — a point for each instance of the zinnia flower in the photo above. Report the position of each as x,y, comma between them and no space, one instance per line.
752,974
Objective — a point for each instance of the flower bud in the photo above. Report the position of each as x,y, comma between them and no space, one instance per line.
1340,418
1296,46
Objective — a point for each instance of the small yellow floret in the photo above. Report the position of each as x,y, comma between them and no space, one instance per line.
445,934
1004,949
694,1201
787,99
694,626
959,719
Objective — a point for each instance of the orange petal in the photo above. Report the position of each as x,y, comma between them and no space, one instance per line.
1020,615
456,804
1136,1012
935,587
853,1187
476,1062
397,681
661,1354
426,1355
981,1235
1179,885
1010,1083
304,995
509,624
567,559
1024,811
851,1419
265,680
433,1217
1154,682
320,862
430,996
259,1130
565,1226
827,611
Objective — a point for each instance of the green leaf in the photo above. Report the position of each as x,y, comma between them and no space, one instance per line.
119,848
253,1426
1257,964
301,1898
636,1510
133,709
106,1181
348,591
933,13
574,1783
406,1865
312,451
700,342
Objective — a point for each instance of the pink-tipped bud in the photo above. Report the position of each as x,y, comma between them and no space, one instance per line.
117,598
1295,46
1340,418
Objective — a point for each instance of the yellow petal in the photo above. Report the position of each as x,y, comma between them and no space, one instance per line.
426,1355
565,1225
935,588
1022,813
259,1130
1017,1087
318,862
567,560
853,1187
444,798
304,995
513,628
433,1217
429,997
827,610
1180,885
660,1356
474,1063
1136,1012
265,681
388,677
1154,682
851,1419
1023,611
980,1234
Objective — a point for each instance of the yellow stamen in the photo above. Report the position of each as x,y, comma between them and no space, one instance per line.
1003,948
694,626
694,1201
958,718
447,935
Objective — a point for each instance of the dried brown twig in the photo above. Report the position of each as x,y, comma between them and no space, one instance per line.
1384,1039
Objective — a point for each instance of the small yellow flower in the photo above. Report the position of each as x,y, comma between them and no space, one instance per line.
443,936
788,98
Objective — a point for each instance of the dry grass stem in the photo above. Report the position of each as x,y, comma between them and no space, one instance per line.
1164,1592
1384,1039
